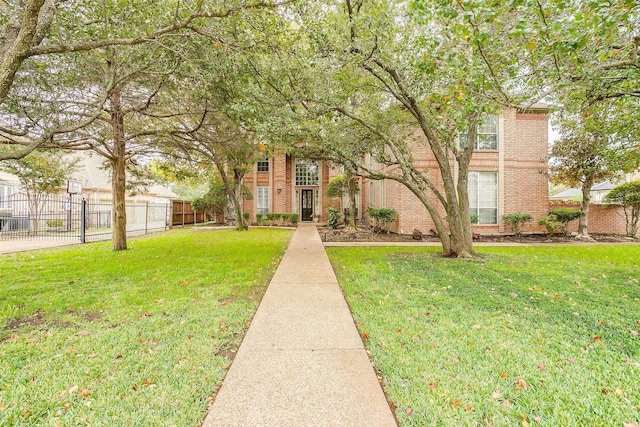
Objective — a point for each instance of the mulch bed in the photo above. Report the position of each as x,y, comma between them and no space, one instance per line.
366,235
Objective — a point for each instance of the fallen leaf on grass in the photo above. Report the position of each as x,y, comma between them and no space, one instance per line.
520,384
597,338
3,407
537,420
634,333
503,375
619,391
628,424
432,385
505,404
409,411
455,359
32,340
456,403
83,332
496,395
85,392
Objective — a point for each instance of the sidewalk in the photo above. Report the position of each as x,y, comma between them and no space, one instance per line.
302,362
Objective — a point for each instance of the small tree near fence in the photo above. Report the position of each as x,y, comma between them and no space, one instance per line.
383,218
516,221
627,195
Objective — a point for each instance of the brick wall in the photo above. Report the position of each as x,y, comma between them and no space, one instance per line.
602,218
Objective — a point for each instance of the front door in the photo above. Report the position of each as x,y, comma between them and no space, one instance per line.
307,205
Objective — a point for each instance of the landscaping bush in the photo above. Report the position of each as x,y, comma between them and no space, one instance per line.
565,216
551,224
475,218
334,218
383,217
55,223
5,214
294,218
516,221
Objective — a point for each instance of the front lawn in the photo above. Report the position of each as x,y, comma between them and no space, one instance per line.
543,336
139,337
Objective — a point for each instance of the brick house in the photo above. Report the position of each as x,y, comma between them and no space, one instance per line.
505,177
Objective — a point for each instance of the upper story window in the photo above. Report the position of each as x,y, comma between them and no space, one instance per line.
306,172
486,135
263,165
5,196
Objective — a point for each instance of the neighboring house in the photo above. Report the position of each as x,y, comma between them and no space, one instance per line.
505,177
95,182
598,191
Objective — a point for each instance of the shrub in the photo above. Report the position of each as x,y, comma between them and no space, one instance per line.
551,224
628,195
383,217
260,218
475,218
516,221
294,218
5,214
334,218
55,223
565,216
245,215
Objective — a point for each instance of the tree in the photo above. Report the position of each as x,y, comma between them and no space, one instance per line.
594,146
38,36
214,202
341,185
41,174
627,195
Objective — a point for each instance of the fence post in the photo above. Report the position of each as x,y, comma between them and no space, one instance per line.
146,218
83,221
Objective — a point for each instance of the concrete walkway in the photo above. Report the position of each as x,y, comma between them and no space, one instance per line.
302,362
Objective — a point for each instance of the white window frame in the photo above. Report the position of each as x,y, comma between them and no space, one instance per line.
262,200
486,135
6,191
482,203
307,173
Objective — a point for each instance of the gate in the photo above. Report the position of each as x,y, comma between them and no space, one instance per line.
72,218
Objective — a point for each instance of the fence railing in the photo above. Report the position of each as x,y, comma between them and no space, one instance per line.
55,217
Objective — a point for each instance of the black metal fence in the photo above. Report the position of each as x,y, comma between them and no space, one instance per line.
55,217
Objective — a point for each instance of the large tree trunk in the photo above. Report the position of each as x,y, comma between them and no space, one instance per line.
583,233
237,199
351,190
118,176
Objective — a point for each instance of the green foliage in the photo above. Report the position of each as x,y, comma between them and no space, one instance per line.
627,195
334,218
516,221
245,215
338,186
5,214
475,218
141,323
505,333
278,218
383,217
551,224
215,201
565,216
55,223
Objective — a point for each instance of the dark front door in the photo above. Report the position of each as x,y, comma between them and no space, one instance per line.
307,205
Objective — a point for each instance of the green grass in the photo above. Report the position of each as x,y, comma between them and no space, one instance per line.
546,336
139,337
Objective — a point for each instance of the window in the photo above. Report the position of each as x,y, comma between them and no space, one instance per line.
263,200
263,165
483,196
5,196
306,172
486,135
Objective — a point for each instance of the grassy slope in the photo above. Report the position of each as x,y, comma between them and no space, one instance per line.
545,336
91,336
